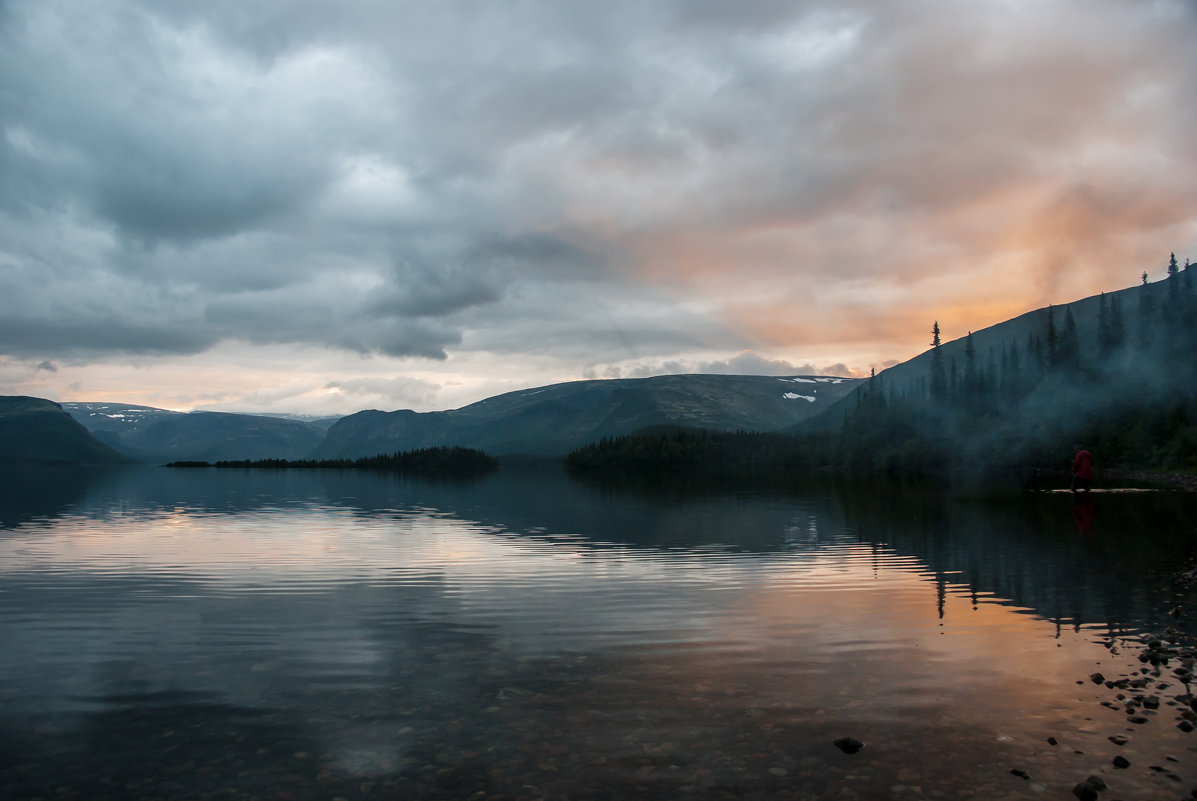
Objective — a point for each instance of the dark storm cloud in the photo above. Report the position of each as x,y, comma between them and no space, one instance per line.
593,182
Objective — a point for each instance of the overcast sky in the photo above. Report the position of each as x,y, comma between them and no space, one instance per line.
321,207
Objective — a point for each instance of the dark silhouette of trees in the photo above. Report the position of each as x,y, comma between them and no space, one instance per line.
1068,350
1111,329
1146,315
971,388
939,380
1131,397
442,461
1051,340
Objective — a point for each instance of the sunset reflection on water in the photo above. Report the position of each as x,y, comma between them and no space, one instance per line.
435,641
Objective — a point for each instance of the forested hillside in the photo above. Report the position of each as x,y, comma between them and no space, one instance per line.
1115,372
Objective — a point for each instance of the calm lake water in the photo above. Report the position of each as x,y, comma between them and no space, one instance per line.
302,635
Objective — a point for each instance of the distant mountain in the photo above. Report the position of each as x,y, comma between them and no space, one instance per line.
158,436
110,422
323,422
554,420
40,431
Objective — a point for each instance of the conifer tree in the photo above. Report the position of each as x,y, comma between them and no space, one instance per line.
989,381
1069,351
1105,335
1013,375
939,384
971,380
1117,323
1051,340
1173,291
1034,364
1146,315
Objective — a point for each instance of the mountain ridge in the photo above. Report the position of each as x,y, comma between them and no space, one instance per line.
554,419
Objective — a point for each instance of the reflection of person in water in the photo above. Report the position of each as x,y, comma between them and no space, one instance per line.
1082,513
1082,470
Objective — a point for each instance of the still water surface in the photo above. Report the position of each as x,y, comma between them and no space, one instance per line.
318,634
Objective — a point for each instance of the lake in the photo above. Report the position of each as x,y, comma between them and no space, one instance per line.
233,634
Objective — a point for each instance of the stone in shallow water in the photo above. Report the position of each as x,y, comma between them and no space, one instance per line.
1088,789
849,745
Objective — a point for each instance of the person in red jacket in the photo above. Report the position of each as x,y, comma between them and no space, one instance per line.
1082,470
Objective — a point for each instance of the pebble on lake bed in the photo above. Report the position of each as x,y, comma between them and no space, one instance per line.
849,745
1089,788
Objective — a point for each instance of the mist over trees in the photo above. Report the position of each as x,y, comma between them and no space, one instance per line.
1115,373
1077,376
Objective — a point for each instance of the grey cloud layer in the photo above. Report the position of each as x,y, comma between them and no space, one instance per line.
412,178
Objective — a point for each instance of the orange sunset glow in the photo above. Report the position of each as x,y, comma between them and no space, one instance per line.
421,208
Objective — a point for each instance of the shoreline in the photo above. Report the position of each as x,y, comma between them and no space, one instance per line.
1179,481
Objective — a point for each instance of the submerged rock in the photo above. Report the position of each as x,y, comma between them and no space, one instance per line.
849,745
1089,789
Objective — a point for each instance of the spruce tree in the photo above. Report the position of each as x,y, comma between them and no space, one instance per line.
1173,292
1052,340
1105,334
1034,365
971,379
939,383
1146,315
1069,352
989,381
1014,373
1117,323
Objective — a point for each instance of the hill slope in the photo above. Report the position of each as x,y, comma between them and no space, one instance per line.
555,419
1140,322
158,435
1114,372
40,431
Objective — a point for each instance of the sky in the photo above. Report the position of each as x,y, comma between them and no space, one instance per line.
316,208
